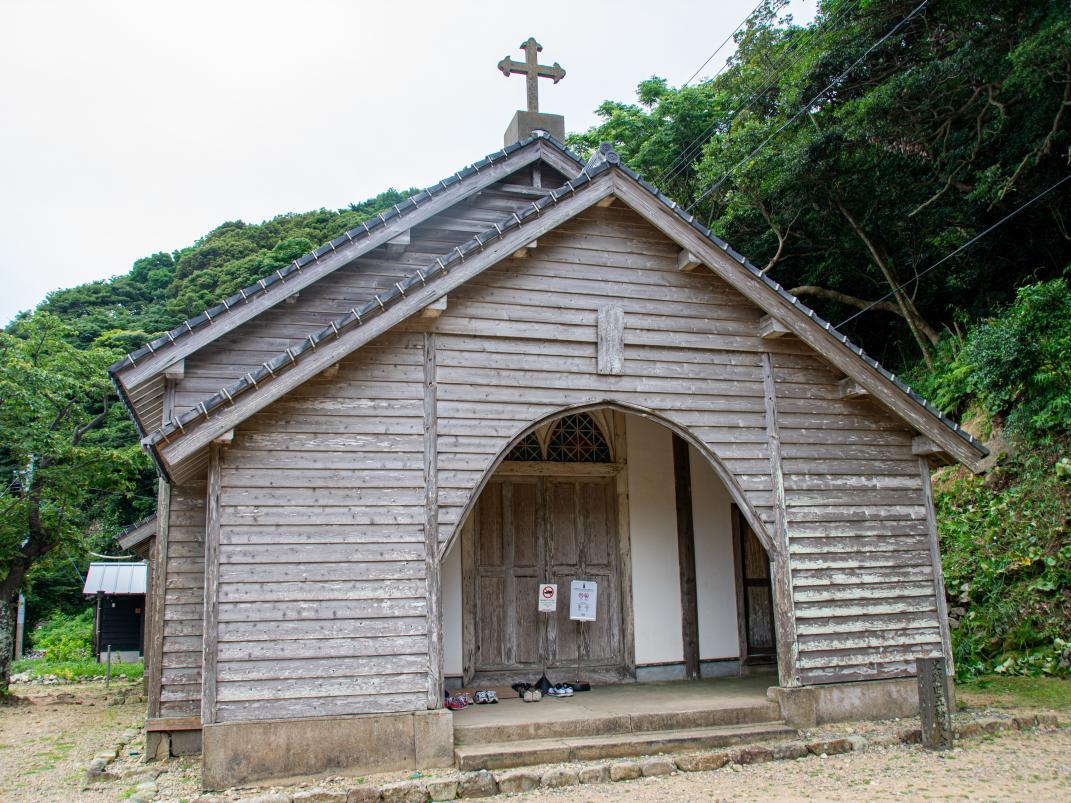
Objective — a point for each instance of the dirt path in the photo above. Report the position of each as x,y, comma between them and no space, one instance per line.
1017,766
47,743
47,740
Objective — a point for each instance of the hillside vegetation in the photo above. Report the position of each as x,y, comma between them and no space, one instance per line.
845,157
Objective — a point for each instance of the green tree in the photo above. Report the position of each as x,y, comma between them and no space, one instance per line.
57,454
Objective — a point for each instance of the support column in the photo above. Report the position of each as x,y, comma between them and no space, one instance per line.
784,605
682,481
211,605
938,571
431,528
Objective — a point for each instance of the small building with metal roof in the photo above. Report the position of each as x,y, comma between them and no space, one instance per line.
119,625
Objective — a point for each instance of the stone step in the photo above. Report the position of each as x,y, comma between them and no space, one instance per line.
514,728
615,745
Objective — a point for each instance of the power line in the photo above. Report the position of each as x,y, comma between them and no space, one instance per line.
724,43
944,259
799,48
810,104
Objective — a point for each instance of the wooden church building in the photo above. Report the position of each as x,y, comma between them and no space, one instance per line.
538,370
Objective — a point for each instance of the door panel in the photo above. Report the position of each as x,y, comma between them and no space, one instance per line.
530,530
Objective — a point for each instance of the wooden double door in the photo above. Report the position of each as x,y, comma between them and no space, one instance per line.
528,530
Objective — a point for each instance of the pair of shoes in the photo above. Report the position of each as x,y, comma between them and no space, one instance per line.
521,688
455,703
560,690
488,696
533,696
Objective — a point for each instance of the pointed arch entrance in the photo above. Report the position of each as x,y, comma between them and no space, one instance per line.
588,493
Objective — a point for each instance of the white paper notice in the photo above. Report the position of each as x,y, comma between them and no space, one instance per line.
583,599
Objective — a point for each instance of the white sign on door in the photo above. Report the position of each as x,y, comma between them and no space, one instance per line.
548,597
583,599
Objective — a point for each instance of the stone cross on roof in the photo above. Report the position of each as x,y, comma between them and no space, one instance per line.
532,70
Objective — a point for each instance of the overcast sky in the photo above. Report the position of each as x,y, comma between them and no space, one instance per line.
135,127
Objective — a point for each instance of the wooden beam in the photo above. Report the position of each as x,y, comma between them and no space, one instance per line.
330,371
935,562
154,659
522,253
736,522
781,564
686,260
770,327
434,309
850,389
211,595
606,202
175,371
624,530
225,438
610,331
924,447
432,567
180,449
682,484
397,246
149,366
158,724
293,298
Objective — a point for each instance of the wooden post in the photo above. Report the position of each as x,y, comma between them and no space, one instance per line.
784,604
20,625
735,517
431,528
211,599
154,664
682,479
935,560
935,703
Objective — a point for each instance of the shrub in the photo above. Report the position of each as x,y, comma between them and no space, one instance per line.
62,637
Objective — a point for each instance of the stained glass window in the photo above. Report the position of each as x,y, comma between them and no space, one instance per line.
576,439
527,449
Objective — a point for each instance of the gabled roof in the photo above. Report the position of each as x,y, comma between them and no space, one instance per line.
116,578
171,346
603,175
135,537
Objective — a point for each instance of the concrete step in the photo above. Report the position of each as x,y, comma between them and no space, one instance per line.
615,745
561,723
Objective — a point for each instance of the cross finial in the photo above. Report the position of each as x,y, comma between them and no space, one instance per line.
532,70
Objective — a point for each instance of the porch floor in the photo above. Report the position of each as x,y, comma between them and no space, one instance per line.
617,720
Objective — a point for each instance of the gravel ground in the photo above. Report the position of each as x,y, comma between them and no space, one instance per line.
47,741
50,735
1017,766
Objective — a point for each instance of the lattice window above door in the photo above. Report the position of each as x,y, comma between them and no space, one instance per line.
529,449
577,439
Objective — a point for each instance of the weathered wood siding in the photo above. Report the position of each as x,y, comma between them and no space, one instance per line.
322,600
862,574
180,687
520,342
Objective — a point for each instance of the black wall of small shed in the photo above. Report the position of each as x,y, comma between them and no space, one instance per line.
121,623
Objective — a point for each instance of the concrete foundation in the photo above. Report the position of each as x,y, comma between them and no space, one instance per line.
807,706
238,752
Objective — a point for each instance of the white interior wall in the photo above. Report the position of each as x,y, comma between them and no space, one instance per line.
715,574
656,594
451,588
655,573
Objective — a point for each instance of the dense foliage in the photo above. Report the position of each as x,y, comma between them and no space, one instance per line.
64,638
943,129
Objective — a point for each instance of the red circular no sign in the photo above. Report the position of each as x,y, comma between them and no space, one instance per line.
548,592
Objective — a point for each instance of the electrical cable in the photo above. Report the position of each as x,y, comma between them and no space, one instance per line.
724,43
947,257
801,47
810,104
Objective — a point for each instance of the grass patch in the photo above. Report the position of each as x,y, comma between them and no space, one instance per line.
76,670
1015,692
